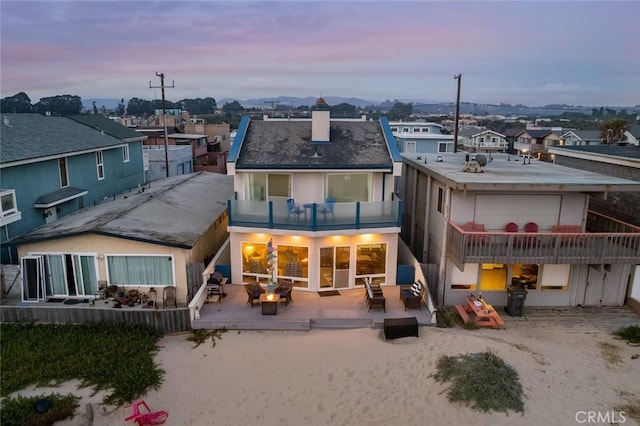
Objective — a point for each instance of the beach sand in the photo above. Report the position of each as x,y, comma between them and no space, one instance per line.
355,377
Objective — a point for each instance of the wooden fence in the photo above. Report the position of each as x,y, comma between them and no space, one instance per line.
164,320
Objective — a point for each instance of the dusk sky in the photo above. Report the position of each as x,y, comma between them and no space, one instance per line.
528,52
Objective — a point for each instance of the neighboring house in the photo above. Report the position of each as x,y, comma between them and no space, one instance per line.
179,159
421,137
482,140
143,239
53,166
198,144
611,160
342,222
457,220
580,137
535,142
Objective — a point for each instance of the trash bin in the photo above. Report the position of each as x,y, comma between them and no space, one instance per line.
516,296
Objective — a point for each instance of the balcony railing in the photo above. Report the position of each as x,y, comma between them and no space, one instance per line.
276,215
619,247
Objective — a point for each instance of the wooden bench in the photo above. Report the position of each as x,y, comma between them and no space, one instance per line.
395,328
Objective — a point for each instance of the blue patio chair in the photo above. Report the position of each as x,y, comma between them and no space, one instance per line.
293,209
327,208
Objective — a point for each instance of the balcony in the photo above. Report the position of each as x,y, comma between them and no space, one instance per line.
275,215
607,241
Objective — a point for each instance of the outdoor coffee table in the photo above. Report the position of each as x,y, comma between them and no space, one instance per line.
269,306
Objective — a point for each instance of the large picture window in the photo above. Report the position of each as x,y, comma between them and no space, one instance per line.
267,187
293,264
371,261
140,270
349,187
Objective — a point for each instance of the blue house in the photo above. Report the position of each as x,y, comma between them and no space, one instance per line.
421,137
53,166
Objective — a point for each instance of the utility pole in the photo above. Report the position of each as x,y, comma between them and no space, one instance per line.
455,130
164,118
273,103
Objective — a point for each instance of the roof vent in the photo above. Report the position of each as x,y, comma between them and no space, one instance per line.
315,153
472,166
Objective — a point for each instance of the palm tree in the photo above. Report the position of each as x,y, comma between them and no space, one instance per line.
612,131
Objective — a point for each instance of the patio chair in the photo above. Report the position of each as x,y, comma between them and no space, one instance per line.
215,285
146,418
254,290
327,208
169,297
528,240
284,290
375,300
512,227
292,208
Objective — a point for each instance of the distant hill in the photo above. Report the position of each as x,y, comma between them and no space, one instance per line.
422,106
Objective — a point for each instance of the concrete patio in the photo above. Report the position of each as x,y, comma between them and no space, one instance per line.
308,310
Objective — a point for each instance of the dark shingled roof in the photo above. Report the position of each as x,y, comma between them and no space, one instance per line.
287,145
108,126
32,136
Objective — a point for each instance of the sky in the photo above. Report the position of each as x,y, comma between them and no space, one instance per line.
518,52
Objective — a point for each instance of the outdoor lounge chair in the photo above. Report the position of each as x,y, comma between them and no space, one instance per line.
254,290
411,296
530,241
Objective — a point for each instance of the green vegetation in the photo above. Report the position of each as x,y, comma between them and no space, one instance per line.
21,411
631,334
199,336
117,358
446,318
482,380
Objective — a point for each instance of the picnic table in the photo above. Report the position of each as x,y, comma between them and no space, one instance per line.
480,312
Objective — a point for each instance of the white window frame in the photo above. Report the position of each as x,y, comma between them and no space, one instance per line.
170,257
100,164
14,208
125,154
64,178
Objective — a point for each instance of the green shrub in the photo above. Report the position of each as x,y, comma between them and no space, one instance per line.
20,411
481,380
631,334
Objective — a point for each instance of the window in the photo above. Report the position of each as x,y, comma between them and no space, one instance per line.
8,199
494,140
443,147
394,129
293,264
525,275
140,270
267,187
100,165
440,199
371,261
349,187
493,276
416,130
64,175
254,262
70,274
125,154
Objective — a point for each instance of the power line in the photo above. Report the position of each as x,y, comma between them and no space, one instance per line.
164,118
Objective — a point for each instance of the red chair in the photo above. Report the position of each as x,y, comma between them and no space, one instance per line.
531,228
148,418
512,227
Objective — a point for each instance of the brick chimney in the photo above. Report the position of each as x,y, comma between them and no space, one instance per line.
320,122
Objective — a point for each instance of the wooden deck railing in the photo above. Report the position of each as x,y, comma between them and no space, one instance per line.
546,247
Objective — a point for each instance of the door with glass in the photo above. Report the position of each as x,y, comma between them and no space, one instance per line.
334,267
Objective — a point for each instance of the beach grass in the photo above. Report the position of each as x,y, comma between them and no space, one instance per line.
116,358
481,380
